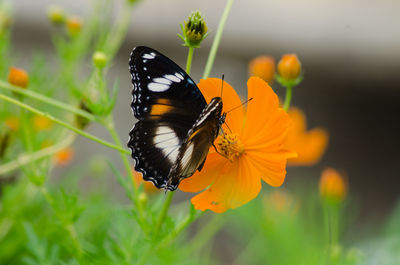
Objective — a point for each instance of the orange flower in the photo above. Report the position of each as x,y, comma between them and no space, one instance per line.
332,186
74,25
253,150
64,156
18,77
309,145
289,67
148,186
280,201
263,67
42,123
12,122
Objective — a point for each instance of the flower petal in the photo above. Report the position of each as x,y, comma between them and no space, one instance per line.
211,87
238,184
201,180
265,102
310,145
272,165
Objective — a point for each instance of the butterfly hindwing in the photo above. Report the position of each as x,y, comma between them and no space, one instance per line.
167,104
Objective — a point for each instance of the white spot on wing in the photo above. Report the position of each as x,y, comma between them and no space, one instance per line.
168,142
162,80
149,55
173,78
157,87
179,76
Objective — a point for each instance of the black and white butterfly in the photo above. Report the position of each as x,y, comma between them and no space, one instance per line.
175,127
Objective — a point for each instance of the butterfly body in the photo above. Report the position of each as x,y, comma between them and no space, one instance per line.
175,126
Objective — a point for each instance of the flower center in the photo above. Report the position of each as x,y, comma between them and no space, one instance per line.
230,146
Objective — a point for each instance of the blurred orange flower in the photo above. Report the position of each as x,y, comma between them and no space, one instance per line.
74,25
64,156
280,201
18,77
41,123
12,122
253,150
263,67
309,145
332,186
148,185
289,67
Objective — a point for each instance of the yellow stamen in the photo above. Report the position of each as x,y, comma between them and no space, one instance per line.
230,146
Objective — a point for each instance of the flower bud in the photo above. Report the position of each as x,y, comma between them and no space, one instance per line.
82,122
41,123
64,156
5,21
332,186
99,59
18,77
12,123
74,25
263,67
56,15
195,30
143,198
289,67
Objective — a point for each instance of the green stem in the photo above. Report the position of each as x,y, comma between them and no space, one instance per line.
168,239
189,60
129,171
217,40
206,233
27,134
288,98
50,101
62,123
70,228
163,214
28,157
118,32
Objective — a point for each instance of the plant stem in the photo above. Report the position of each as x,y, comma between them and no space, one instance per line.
118,32
189,60
163,214
26,134
28,157
288,98
62,123
50,101
70,228
217,40
129,171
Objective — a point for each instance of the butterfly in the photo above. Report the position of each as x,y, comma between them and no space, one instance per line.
176,127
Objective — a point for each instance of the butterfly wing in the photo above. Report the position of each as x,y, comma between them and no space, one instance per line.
167,103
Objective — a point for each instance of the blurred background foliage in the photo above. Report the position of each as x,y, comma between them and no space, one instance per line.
76,206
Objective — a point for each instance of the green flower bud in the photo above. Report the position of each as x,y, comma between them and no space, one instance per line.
56,15
99,60
195,30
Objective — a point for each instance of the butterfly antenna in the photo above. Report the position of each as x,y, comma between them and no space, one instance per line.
247,101
222,86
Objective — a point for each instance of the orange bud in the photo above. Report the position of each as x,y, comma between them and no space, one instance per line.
18,77
263,67
74,25
12,122
64,156
332,186
42,123
289,67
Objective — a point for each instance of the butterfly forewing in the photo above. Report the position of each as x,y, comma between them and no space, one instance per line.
167,104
